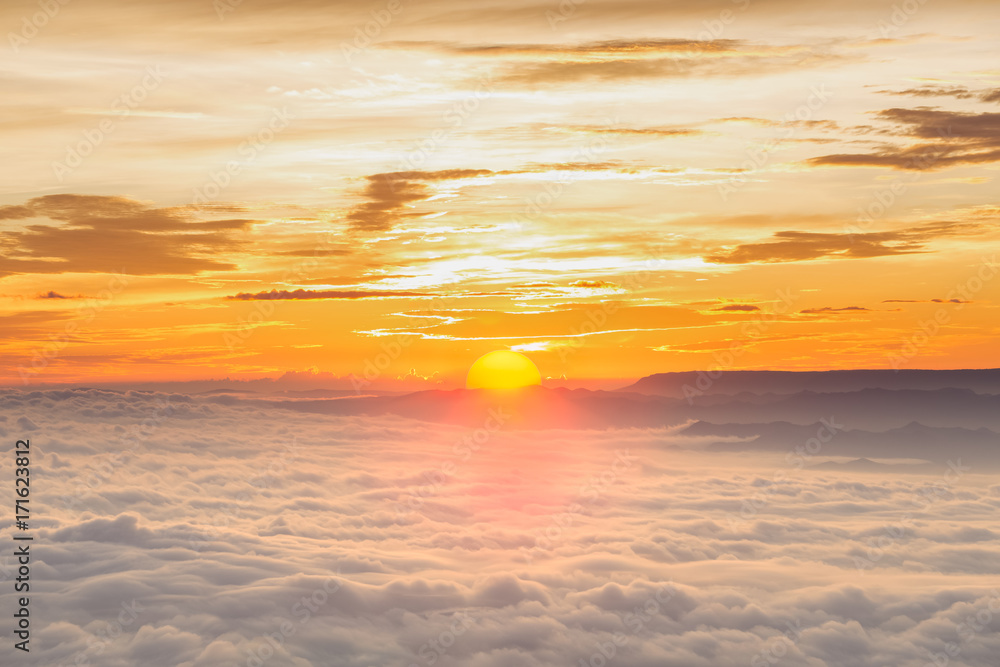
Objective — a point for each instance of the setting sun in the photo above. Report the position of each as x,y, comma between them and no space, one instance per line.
502,369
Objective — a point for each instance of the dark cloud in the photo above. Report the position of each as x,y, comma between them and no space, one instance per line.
957,92
828,309
98,234
945,139
738,308
301,294
634,131
15,212
607,48
390,193
926,301
928,123
795,246
52,295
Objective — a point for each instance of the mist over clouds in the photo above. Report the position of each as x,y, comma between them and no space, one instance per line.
191,528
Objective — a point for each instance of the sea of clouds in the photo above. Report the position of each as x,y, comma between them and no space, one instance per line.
181,531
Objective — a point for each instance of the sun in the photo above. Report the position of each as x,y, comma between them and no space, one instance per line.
502,369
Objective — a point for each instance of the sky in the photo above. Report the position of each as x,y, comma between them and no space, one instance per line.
247,188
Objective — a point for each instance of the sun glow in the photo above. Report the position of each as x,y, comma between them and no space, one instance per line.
502,369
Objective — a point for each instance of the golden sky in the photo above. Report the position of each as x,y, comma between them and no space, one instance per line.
246,188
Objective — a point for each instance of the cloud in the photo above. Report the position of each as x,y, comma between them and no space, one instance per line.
52,295
195,531
619,70
926,301
301,294
634,131
828,309
622,59
99,234
770,122
738,308
391,192
795,246
15,212
791,246
944,139
391,195
958,92
607,48
31,324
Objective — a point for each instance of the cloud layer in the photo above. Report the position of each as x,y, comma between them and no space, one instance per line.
186,531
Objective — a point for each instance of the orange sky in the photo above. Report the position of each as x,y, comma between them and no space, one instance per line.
198,190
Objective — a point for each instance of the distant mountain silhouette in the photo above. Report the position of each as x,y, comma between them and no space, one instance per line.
867,465
873,409
790,382
875,422
911,441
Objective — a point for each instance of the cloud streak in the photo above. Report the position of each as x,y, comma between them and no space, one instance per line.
943,139
796,246
302,295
